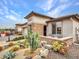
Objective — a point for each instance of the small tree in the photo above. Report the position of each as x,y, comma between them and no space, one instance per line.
33,39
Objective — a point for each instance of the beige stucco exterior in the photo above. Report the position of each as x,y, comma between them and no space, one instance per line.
75,25
38,20
19,28
37,23
49,29
67,28
25,30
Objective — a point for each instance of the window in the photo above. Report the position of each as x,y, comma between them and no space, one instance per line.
58,30
53,28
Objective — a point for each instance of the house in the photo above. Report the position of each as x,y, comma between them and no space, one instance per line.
21,28
64,26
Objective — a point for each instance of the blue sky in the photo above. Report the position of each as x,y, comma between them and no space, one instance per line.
13,11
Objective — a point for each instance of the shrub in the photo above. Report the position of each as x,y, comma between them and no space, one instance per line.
26,43
59,46
63,50
15,48
10,44
9,55
21,44
1,48
5,46
18,38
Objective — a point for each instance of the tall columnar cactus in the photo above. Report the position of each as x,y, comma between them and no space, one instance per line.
33,39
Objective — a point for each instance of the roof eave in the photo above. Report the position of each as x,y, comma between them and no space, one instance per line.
35,13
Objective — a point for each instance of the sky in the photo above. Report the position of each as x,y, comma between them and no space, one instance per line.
13,11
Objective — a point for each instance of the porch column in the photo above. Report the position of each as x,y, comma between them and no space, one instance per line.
49,29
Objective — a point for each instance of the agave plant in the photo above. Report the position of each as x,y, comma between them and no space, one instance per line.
9,55
33,39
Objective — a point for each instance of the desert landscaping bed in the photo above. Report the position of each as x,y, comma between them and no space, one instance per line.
33,48
73,53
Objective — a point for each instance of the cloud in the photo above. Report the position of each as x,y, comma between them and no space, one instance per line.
49,4
9,2
14,13
11,17
77,3
57,11
21,3
4,8
1,12
64,1
46,4
5,2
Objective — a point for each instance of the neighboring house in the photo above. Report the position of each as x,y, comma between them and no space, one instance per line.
21,28
57,27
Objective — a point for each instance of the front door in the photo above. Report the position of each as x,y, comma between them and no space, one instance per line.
44,30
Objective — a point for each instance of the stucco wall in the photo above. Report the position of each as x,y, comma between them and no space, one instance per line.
39,20
75,24
18,28
38,23
67,28
25,30
49,29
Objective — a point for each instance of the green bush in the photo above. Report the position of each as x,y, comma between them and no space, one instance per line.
15,48
18,38
9,55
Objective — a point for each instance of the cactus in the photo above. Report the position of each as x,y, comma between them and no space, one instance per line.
33,39
9,55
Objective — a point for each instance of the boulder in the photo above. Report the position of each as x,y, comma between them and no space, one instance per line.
37,57
44,53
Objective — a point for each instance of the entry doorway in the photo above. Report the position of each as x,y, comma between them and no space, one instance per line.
44,30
